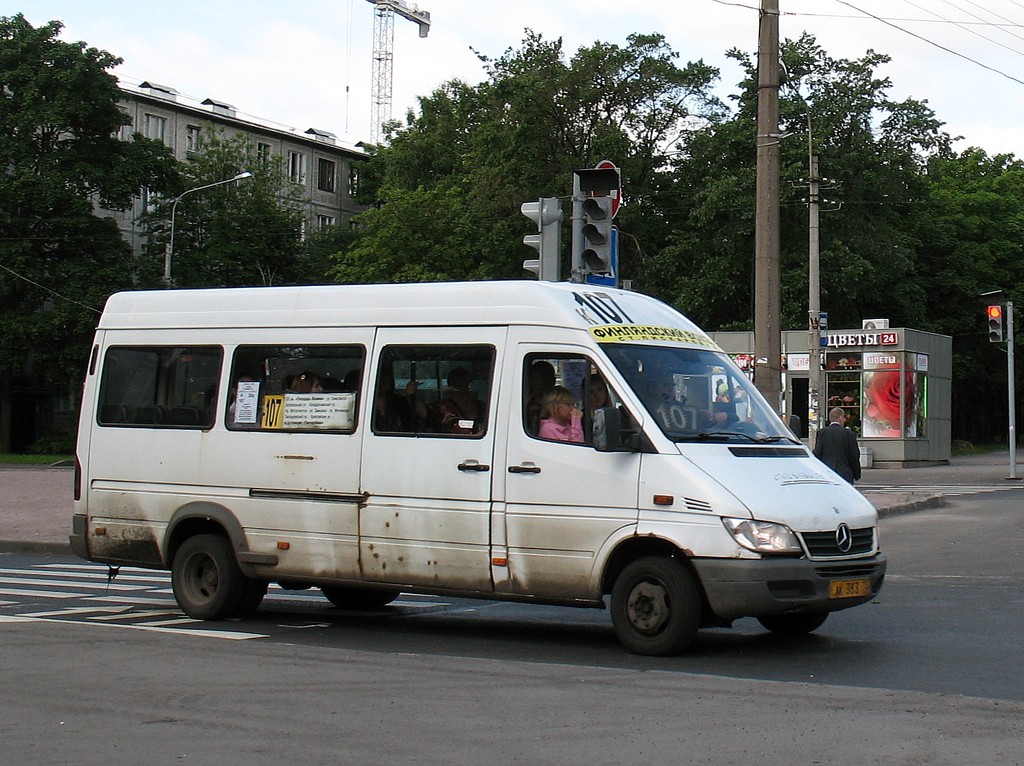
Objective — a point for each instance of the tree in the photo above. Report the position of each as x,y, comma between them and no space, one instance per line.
458,171
872,149
59,119
241,234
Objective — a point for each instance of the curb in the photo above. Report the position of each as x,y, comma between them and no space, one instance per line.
36,547
931,501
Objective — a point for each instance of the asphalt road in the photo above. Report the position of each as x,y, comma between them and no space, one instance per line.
929,673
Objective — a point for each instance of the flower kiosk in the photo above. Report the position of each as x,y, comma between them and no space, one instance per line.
894,385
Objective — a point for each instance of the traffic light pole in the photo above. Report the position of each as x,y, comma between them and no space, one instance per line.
1010,390
576,256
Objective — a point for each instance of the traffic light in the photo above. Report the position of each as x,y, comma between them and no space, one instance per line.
596,256
547,214
995,323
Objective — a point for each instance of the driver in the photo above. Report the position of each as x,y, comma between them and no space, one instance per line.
723,416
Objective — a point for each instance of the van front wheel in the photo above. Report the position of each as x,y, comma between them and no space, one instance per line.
656,607
206,580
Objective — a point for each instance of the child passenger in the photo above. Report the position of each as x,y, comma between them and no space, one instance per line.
559,418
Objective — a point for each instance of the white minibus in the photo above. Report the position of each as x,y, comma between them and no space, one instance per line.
529,441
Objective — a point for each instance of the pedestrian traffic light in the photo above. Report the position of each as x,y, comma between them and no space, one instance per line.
547,214
995,323
597,235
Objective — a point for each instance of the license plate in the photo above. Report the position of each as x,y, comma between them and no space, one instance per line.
849,588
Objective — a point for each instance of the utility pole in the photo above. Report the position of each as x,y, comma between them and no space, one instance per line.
767,287
813,295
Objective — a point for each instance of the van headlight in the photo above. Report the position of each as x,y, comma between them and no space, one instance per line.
763,536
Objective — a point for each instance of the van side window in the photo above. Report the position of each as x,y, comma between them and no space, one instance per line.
560,394
165,387
295,388
433,390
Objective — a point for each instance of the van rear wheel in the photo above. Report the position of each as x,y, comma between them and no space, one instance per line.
656,606
359,599
206,580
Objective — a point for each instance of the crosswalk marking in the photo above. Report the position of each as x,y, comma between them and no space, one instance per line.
119,603
37,593
937,489
135,599
65,583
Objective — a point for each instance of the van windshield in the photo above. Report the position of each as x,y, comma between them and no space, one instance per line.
697,394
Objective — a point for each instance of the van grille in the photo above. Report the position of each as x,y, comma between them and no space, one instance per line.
824,544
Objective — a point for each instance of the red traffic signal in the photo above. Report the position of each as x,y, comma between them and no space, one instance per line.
995,323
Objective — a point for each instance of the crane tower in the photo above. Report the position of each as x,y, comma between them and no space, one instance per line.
383,45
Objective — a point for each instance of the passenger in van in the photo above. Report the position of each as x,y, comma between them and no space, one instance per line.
306,383
560,419
598,393
393,412
352,378
540,379
331,385
460,412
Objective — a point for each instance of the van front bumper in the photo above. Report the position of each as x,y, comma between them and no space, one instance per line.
745,588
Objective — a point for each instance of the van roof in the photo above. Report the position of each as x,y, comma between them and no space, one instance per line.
435,303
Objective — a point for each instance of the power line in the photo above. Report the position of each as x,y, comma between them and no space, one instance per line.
965,28
54,293
930,42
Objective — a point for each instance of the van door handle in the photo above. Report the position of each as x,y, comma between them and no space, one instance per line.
472,465
525,468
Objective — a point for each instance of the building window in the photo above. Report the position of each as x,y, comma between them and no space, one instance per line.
325,174
193,141
156,127
262,151
297,168
323,221
353,181
150,200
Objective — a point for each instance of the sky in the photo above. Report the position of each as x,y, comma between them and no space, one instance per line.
308,63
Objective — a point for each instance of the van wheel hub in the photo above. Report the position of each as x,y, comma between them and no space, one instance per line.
648,607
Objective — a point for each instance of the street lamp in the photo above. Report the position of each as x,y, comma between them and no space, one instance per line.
169,250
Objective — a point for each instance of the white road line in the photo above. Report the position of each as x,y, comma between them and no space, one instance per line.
131,600
101,576
72,611
231,635
65,583
38,593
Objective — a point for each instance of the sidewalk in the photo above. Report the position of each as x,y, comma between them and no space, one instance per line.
36,502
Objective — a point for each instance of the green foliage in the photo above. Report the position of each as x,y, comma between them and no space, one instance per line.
243,233
450,183
59,118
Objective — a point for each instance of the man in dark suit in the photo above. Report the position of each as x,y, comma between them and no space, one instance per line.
836,446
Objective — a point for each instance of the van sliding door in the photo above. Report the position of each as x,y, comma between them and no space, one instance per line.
428,458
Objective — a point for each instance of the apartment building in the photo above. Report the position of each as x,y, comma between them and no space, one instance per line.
314,158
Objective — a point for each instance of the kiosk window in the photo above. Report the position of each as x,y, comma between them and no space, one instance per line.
433,390
295,388
164,387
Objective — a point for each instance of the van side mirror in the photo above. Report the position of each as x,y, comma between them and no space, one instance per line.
613,431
